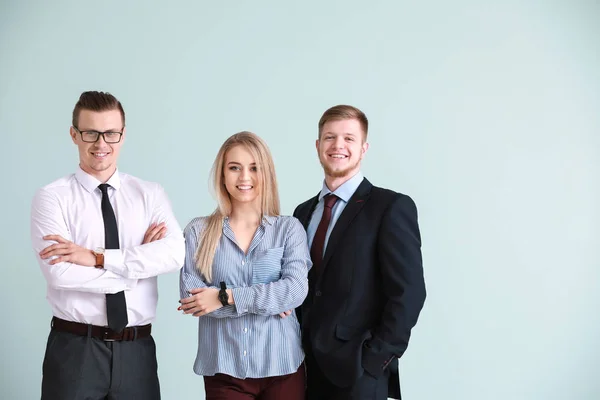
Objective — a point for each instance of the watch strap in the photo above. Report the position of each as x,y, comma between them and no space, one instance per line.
223,296
99,260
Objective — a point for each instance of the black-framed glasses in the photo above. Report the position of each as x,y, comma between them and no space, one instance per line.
93,136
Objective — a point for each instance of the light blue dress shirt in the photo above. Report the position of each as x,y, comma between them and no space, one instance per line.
344,192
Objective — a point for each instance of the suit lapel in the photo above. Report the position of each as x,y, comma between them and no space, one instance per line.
306,213
355,204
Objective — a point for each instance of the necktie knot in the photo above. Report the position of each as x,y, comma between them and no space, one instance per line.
330,200
103,188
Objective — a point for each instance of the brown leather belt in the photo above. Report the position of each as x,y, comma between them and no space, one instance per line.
101,332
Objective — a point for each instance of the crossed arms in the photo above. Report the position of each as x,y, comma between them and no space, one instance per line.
68,266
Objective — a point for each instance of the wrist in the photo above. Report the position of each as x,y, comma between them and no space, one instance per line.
223,294
98,258
230,297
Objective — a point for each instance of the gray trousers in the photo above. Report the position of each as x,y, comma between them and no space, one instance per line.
84,368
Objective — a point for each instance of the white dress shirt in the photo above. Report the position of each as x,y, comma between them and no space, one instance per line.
70,207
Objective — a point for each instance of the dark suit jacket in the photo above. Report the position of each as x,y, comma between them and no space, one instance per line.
361,308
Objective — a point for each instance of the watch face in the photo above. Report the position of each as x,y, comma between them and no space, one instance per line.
99,250
223,298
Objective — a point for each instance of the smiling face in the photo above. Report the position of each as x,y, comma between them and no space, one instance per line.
98,159
241,176
341,147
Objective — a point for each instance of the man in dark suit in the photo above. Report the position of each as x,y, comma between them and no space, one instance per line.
366,287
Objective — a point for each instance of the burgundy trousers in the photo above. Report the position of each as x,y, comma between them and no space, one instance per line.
225,387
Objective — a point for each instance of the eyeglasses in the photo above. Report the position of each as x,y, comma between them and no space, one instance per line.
93,136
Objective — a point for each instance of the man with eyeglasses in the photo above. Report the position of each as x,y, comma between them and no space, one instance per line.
101,238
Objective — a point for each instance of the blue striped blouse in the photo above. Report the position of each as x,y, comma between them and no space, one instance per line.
249,339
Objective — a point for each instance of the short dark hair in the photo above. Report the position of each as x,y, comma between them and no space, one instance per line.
98,102
341,112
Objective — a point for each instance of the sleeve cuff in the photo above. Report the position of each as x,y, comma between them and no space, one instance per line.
376,357
242,298
114,261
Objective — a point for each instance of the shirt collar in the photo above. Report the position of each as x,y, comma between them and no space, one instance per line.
90,183
267,219
346,190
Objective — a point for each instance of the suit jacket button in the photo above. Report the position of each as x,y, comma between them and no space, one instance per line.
318,293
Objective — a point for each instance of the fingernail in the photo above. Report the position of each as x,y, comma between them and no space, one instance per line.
178,308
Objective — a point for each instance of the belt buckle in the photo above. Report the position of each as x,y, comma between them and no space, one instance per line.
104,336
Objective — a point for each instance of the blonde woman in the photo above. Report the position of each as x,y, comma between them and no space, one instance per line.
245,272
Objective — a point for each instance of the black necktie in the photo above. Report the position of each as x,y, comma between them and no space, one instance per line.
116,308
318,244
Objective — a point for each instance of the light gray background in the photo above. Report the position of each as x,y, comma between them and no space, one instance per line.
485,112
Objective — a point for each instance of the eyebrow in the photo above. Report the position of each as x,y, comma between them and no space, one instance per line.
95,130
237,163
345,133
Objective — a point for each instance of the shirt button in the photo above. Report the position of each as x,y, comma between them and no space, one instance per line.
318,293
245,330
244,352
243,262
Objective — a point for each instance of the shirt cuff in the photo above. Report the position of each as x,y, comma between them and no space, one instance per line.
243,298
114,261
376,356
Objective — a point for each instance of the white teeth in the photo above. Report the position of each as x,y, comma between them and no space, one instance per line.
244,187
338,156
100,154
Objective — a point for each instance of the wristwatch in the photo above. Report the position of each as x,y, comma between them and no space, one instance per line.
99,253
223,296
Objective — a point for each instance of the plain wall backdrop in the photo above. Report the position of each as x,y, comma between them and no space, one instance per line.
486,113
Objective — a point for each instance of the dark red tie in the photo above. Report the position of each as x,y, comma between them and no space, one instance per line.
318,244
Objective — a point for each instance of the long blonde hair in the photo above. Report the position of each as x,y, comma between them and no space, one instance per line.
269,195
